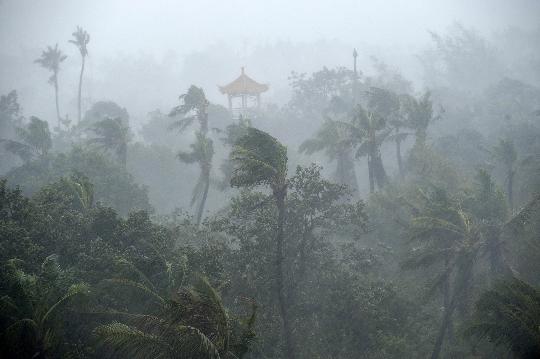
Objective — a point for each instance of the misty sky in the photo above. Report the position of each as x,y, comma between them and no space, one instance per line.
144,53
184,26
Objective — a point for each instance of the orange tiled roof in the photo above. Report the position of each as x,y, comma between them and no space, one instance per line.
243,85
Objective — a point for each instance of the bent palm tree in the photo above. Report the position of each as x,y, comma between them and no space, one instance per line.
419,115
192,324
331,139
388,105
35,140
509,314
111,135
261,160
194,107
50,59
82,38
27,314
202,151
367,132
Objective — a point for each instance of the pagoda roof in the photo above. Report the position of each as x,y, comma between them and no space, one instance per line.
243,85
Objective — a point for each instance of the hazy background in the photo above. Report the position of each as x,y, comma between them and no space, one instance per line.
143,54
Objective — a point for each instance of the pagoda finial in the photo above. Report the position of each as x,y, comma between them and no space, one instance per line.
242,68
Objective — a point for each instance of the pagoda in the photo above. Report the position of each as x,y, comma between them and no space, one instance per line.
247,90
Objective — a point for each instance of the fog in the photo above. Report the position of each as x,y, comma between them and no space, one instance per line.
144,53
270,179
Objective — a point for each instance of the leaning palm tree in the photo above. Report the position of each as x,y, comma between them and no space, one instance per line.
202,151
450,237
111,134
505,153
419,115
509,315
193,323
28,316
367,131
194,107
34,140
260,159
388,105
81,40
50,59
337,147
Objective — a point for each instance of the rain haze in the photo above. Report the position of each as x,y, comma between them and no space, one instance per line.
270,179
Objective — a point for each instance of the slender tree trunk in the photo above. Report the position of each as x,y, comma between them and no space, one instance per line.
279,195
345,173
56,101
378,170
446,322
80,91
203,199
510,190
399,159
370,172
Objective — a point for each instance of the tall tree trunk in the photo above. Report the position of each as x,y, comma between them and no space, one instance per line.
370,172
378,170
200,210
80,91
510,189
446,322
279,195
345,173
399,159
56,101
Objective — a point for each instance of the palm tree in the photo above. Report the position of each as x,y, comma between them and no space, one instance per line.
202,151
50,59
112,135
82,38
35,140
260,159
419,115
194,107
232,133
505,152
387,104
450,236
27,313
193,323
331,139
367,131
509,314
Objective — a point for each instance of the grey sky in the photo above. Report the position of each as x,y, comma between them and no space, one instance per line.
183,26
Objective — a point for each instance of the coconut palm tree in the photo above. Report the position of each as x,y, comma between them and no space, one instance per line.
194,107
367,131
337,147
34,140
419,115
50,59
509,315
260,159
193,323
111,135
202,151
388,105
450,237
505,153
29,313
81,40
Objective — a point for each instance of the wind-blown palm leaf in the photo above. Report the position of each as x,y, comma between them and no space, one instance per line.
74,290
137,286
259,159
509,314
